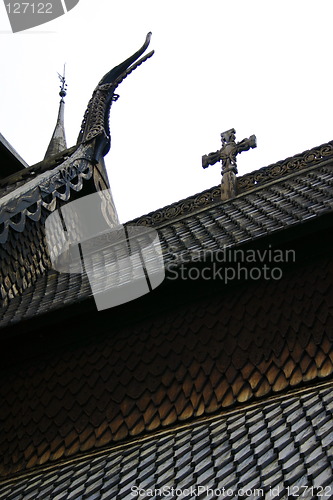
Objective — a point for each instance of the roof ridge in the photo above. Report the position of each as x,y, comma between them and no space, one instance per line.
274,172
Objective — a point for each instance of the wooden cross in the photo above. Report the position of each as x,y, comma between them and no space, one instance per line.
227,155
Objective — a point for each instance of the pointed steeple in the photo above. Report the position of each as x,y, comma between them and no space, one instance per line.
58,140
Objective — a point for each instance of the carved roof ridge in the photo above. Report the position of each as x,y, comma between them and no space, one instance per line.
248,182
32,171
274,172
43,190
41,176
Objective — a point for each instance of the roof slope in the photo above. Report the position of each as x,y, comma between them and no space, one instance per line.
137,376
319,156
278,449
265,210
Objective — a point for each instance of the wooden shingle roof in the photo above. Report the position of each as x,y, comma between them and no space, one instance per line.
198,224
276,450
98,402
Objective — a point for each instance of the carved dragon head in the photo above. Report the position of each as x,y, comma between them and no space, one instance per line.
95,125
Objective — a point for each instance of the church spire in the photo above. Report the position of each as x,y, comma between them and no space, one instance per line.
58,139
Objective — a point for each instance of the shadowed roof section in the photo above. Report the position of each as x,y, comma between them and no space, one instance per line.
11,161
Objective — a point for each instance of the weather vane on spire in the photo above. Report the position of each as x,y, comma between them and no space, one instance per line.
58,139
63,85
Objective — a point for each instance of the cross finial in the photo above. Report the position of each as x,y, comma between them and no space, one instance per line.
227,155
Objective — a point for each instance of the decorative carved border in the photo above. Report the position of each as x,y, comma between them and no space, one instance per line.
29,203
288,166
11,183
185,206
246,182
16,207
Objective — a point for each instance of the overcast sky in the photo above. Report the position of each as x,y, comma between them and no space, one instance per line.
263,67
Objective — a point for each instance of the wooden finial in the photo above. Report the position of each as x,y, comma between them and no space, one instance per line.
227,155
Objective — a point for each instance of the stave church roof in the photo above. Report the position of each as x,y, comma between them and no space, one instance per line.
204,387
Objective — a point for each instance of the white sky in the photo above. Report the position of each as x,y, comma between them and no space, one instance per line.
263,67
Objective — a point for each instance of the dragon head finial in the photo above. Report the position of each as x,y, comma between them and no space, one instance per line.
95,125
